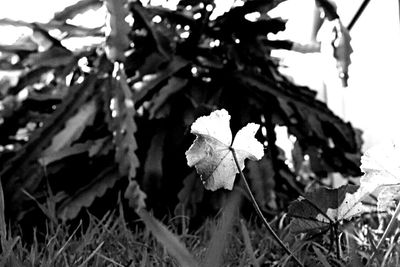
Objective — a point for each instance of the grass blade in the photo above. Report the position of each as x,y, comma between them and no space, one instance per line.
247,243
169,240
216,247
3,226
392,221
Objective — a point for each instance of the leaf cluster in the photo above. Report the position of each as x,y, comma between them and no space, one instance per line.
116,115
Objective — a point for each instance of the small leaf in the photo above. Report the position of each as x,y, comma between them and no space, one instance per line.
211,155
324,206
169,240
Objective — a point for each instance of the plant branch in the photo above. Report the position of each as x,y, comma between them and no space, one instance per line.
259,213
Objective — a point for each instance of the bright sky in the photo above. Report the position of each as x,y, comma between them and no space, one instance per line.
371,102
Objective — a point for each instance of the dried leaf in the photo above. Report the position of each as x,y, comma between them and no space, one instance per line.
211,155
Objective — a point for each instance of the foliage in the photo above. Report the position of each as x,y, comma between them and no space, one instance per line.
81,120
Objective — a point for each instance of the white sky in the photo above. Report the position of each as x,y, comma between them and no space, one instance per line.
372,100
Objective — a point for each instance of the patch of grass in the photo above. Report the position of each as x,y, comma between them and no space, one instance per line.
109,241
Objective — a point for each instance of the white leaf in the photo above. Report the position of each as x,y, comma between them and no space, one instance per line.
211,151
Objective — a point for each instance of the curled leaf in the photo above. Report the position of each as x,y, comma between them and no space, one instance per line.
211,152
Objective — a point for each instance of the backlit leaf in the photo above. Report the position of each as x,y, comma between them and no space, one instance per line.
324,206
211,155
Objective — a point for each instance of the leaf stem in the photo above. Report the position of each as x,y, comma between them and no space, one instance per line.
259,213
392,220
337,240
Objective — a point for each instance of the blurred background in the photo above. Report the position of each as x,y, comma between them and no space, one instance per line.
369,102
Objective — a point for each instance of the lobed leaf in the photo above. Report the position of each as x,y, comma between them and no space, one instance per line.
324,206
211,152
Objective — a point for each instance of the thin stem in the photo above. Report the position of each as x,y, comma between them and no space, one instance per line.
392,220
259,213
337,241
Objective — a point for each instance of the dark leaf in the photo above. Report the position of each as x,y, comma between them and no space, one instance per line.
74,127
261,176
149,87
159,106
162,42
17,171
190,195
85,196
122,124
153,170
323,206
77,8
53,57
